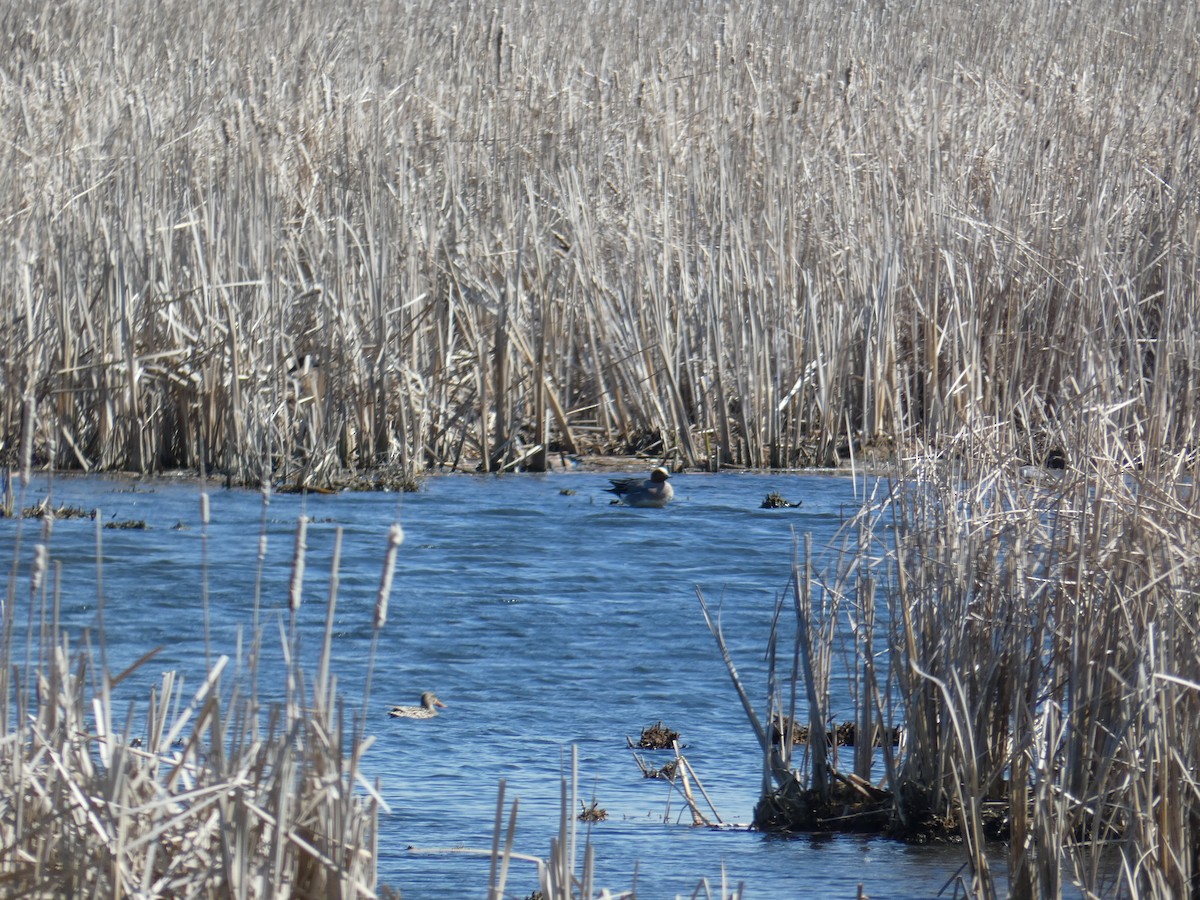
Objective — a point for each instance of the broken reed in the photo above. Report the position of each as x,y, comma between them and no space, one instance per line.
1033,633
198,791
279,241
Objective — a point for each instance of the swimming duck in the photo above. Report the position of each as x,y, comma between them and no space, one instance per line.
427,709
652,492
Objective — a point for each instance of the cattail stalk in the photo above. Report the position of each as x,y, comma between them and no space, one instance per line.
394,540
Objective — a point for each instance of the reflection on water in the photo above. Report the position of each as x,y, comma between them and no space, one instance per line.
543,619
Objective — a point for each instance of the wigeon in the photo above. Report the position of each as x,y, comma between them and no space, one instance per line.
652,492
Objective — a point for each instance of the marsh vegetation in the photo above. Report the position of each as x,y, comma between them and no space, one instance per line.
279,242
194,790
1028,642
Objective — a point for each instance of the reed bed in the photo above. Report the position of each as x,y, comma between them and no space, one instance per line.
190,791
1032,633
281,242
1049,659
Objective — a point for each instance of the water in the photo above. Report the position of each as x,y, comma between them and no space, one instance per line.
544,618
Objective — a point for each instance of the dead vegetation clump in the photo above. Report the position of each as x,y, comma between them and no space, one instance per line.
844,734
45,510
657,737
126,525
666,772
592,813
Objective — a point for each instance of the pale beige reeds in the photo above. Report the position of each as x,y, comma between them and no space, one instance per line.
1033,631
292,241
194,792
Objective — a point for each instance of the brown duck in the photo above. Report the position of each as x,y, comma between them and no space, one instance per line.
427,709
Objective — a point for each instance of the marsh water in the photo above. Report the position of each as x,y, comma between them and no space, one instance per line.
545,618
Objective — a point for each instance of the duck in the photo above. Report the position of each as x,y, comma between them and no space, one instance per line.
427,709
653,492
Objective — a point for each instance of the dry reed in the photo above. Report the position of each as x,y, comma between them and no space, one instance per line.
192,793
277,242
1032,632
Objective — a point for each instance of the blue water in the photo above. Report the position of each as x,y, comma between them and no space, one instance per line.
544,620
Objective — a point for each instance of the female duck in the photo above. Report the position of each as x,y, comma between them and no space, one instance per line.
427,709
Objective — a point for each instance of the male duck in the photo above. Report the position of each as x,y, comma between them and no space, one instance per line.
427,709
652,492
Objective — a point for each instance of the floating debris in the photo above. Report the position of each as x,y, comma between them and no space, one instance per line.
567,492
666,773
44,510
304,489
657,737
592,813
775,500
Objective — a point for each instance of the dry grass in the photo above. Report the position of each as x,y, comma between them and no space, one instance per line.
195,791
1033,632
277,242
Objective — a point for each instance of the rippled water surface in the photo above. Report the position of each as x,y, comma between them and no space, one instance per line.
544,618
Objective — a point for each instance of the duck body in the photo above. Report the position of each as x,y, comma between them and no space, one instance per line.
427,709
652,492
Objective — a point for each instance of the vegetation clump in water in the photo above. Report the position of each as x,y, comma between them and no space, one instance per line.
657,737
775,500
592,813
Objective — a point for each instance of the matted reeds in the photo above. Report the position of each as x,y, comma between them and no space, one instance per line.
282,242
